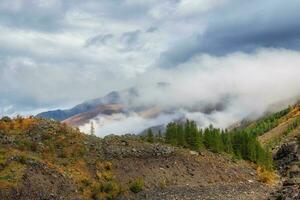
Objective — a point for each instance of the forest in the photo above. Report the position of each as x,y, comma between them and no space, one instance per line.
241,144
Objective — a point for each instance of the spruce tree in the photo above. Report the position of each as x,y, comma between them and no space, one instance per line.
196,142
180,135
150,137
187,133
171,133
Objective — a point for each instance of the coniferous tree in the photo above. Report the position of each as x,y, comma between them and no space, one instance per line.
180,135
227,141
213,139
195,138
187,133
242,144
159,134
171,133
150,137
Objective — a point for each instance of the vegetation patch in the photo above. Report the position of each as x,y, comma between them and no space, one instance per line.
267,176
11,175
291,127
266,123
241,144
136,185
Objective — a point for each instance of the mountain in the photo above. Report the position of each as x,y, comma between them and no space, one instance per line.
84,117
128,106
111,98
46,159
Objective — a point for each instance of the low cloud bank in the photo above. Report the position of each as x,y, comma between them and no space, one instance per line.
213,90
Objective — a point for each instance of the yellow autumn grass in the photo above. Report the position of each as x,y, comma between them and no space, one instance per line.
269,177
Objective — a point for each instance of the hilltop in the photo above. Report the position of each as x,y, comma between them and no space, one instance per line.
46,159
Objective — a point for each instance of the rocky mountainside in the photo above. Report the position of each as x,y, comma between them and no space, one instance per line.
111,98
45,159
287,161
284,139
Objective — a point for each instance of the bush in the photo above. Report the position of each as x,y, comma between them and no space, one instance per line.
107,165
137,185
111,189
267,176
107,176
6,119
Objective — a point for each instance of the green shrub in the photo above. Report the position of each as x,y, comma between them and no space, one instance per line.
137,185
110,187
110,190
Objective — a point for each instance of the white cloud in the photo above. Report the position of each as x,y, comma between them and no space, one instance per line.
192,7
45,60
241,85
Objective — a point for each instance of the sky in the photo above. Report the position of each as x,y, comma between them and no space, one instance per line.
57,53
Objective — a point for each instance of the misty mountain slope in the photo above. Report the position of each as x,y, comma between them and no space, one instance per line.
85,117
45,159
111,98
287,128
137,107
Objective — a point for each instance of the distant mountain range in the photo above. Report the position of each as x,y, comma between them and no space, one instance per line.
125,104
60,115
113,103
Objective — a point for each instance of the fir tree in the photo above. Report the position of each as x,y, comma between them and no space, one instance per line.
180,135
150,137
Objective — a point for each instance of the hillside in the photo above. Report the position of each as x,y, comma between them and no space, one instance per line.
45,159
85,117
111,98
281,133
288,126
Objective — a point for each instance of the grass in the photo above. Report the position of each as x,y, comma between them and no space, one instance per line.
136,185
60,148
11,175
267,176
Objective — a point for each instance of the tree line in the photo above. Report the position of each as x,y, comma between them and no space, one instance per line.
239,143
266,123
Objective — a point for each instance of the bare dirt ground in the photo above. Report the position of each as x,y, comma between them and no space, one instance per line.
239,191
185,175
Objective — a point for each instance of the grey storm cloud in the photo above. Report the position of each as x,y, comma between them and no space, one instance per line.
241,26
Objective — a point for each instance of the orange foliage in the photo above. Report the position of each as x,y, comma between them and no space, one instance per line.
17,124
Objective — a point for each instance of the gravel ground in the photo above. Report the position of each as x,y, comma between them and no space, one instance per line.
239,191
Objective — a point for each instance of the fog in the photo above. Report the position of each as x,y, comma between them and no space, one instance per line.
212,90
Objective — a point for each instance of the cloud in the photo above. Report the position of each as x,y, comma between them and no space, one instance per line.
239,26
100,40
190,7
212,90
119,124
54,54
38,14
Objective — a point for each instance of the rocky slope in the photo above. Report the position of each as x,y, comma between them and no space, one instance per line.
287,161
284,140
44,159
